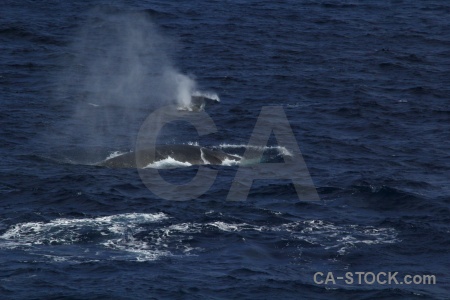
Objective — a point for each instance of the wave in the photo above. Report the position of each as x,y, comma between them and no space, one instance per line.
168,163
144,236
115,154
112,232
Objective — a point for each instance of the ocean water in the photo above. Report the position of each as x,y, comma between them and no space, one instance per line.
365,87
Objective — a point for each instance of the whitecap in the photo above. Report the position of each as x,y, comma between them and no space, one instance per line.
168,163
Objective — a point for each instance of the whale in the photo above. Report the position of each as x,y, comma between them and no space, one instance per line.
195,155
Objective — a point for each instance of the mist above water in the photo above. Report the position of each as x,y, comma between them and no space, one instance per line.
120,69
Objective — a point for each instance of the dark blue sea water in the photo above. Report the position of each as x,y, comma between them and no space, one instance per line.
365,86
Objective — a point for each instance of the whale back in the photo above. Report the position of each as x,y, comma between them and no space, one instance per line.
194,155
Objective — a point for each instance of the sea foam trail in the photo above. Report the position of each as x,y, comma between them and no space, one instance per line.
146,237
98,235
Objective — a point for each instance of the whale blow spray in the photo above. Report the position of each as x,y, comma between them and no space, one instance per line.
120,69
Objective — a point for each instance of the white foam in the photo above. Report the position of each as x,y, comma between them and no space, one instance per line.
328,235
228,227
171,163
340,237
168,163
115,154
230,162
141,250
115,237
184,108
113,232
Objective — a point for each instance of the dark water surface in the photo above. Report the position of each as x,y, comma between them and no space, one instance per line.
365,86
